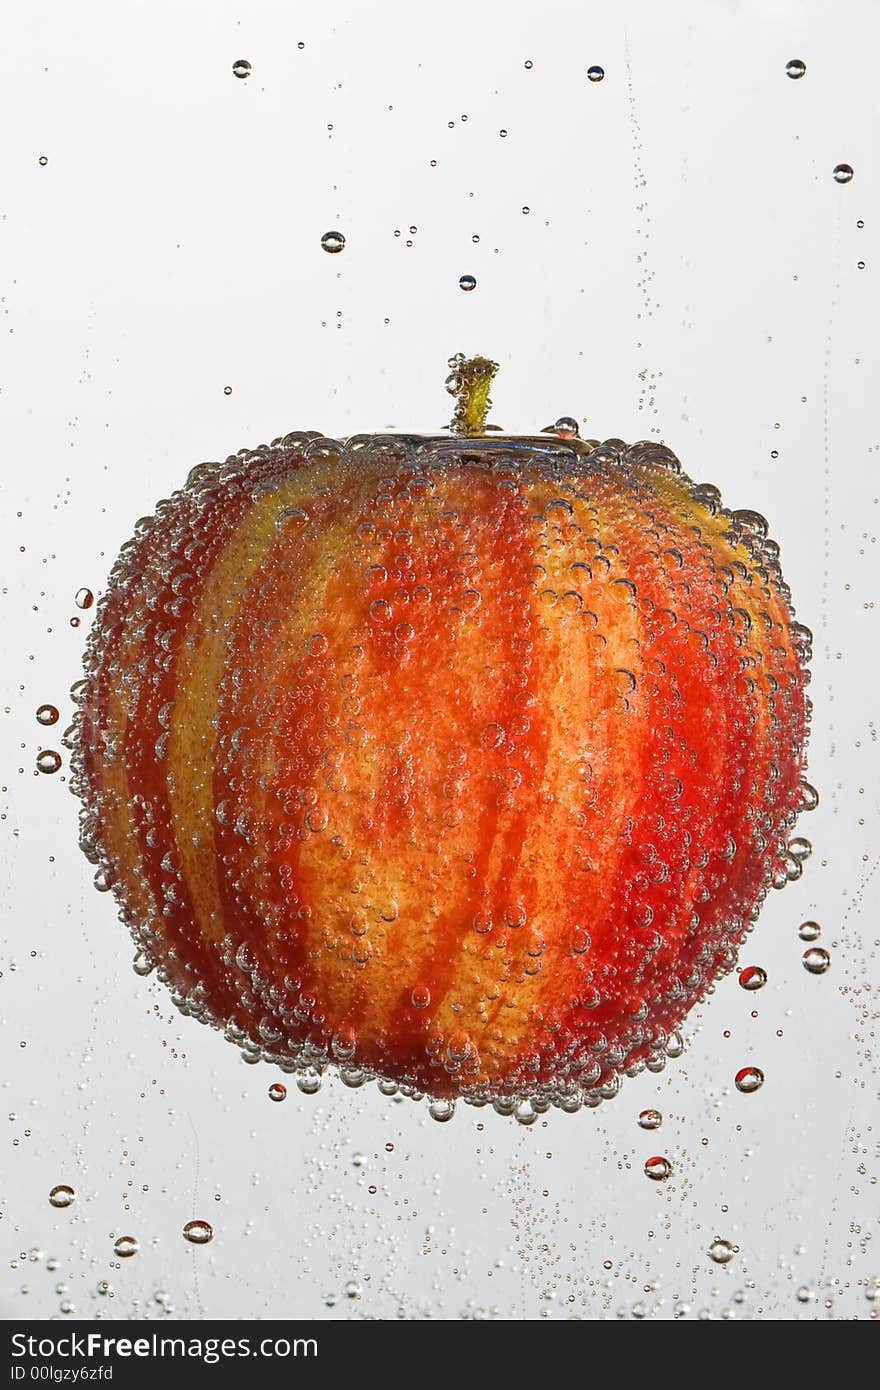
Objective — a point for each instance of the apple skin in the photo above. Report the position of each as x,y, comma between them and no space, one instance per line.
461,763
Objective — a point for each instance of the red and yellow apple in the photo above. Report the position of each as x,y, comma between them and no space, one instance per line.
463,762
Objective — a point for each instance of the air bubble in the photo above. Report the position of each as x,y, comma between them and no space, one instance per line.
332,242
126,1246
595,73
721,1251
241,67
467,282
816,960
675,1045
580,941
843,173
658,1168
492,736
61,1196
309,1082
48,760
441,1110
84,598
752,977
525,1113
809,931
278,1091
795,67
749,1079
650,1119
141,964
809,797
566,427
47,714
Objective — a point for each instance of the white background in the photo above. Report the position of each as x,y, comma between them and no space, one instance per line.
688,269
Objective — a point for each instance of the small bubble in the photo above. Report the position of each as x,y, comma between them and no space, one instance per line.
675,1045
800,848
241,67
309,1082
595,74
84,598
809,931
749,1079
809,797
843,173
126,1246
526,211
421,997
227,390
467,282
47,714
503,134
332,242
525,1113
721,1251
198,1232
141,964
816,960
61,1196
580,941
566,427
650,1119
102,881
658,1168
441,1109
48,760
752,977
528,64
795,67
43,160
277,1091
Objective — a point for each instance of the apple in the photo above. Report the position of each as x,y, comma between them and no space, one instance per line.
460,761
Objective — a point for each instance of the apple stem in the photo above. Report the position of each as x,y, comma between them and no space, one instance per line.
470,380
